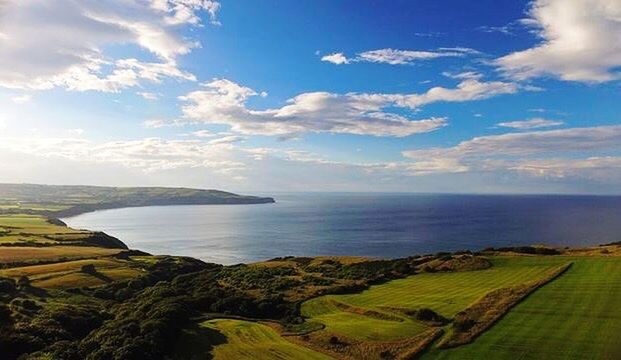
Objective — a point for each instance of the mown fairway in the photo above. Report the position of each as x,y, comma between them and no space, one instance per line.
577,316
445,293
248,340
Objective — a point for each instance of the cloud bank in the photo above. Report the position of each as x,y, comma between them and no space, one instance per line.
223,101
47,44
580,42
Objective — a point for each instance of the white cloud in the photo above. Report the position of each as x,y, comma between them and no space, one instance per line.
503,151
467,90
21,99
605,169
58,43
156,123
151,154
398,57
76,132
580,42
530,124
336,58
230,139
203,133
148,95
224,102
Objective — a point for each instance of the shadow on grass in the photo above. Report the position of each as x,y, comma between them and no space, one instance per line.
101,277
197,343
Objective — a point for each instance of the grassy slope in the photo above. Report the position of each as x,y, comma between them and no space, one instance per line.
445,293
18,254
577,316
247,340
68,274
33,229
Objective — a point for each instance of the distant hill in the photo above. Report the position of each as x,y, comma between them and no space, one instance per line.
63,201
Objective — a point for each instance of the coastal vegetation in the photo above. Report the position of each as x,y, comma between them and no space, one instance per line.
76,294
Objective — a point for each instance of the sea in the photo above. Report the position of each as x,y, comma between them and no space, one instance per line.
377,225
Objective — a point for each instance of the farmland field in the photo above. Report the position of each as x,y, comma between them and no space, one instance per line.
68,274
445,293
16,254
248,340
33,229
576,316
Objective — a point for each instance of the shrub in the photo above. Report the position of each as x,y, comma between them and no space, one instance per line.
23,282
88,269
7,286
426,314
463,325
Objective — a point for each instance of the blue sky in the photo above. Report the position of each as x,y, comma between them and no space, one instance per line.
423,96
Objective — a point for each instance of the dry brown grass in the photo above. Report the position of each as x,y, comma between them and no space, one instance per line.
365,312
345,260
480,316
63,267
348,349
23,254
607,250
68,274
463,262
79,279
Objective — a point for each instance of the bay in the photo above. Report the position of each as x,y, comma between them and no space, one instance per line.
381,225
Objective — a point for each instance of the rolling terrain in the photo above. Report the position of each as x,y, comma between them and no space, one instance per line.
76,294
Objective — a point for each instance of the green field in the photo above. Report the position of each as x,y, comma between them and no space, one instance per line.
246,340
577,316
445,293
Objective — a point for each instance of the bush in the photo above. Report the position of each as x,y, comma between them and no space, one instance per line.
88,269
426,314
7,286
23,282
463,325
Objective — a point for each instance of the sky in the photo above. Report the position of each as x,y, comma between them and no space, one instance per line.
489,96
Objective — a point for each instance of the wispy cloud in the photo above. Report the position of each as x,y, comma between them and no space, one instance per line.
531,123
487,153
148,95
150,154
21,99
336,58
399,57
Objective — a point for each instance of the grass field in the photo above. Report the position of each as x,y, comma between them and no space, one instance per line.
17,254
244,340
68,274
374,314
32,229
577,316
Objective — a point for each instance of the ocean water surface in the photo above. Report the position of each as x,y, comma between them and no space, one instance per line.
382,225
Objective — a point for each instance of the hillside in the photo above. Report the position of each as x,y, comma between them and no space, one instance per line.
64,201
